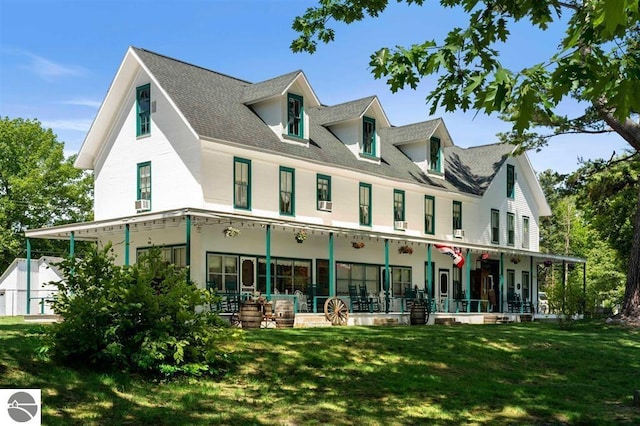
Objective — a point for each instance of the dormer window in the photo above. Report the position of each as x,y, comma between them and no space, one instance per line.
295,116
369,136
435,155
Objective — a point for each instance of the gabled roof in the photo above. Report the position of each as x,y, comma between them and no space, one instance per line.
472,169
411,132
48,260
328,115
269,88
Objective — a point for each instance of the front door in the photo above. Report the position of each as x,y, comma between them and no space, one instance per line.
247,274
444,289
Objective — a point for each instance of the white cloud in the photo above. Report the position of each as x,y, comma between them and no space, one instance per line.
91,103
79,125
49,70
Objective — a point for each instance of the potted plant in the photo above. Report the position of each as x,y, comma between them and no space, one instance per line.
300,236
357,244
516,259
405,250
230,231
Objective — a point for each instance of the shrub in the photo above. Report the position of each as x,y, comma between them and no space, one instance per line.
146,318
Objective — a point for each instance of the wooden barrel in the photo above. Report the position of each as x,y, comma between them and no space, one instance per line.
251,315
418,314
283,313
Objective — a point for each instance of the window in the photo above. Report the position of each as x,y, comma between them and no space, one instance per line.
365,204
295,116
287,275
369,136
174,255
435,155
457,283
242,183
511,232
143,108
525,232
495,226
398,205
323,188
401,279
287,191
511,181
525,286
222,272
457,215
322,277
144,182
429,214
357,274
511,284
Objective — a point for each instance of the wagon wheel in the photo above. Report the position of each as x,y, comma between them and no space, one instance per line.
336,311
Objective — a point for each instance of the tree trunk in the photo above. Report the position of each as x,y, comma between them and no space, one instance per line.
631,304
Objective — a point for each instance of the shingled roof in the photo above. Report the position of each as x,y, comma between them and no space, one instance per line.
472,169
410,132
215,105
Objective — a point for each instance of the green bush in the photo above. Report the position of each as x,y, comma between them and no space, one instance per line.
146,318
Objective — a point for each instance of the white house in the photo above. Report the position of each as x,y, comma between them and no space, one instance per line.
184,156
13,286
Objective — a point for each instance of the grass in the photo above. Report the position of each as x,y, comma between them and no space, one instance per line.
498,374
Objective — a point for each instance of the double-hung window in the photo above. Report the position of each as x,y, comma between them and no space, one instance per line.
369,136
323,189
398,205
429,214
511,181
457,215
143,109
287,191
525,232
295,116
495,226
365,204
511,229
435,155
144,183
241,183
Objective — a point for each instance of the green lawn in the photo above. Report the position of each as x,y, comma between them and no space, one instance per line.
494,374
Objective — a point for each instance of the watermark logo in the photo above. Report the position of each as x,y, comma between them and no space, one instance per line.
20,407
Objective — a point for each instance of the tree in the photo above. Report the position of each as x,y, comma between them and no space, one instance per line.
597,65
38,187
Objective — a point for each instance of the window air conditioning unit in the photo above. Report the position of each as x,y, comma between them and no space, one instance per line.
458,233
325,205
142,205
399,224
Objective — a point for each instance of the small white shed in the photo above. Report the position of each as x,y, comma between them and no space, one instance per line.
13,286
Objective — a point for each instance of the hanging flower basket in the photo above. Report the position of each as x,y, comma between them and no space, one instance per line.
547,263
516,259
405,250
300,236
230,231
357,244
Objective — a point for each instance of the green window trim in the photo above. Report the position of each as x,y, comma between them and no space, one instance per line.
511,229
287,194
323,188
143,182
457,215
369,147
435,155
525,232
364,205
398,206
295,116
241,183
511,181
495,226
143,110
429,214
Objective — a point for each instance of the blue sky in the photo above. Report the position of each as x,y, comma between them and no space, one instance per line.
58,58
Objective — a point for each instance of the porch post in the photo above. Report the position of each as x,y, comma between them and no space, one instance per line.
501,298
188,250
28,276
564,282
468,263
386,276
584,288
72,250
429,277
531,279
126,244
332,269
268,260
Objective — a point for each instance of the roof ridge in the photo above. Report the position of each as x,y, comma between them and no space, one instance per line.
192,65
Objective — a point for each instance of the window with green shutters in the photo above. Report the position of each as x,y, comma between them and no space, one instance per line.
429,214
369,136
242,183
295,116
287,191
143,108
365,204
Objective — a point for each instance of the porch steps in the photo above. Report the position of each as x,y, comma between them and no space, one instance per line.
446,321
497,319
